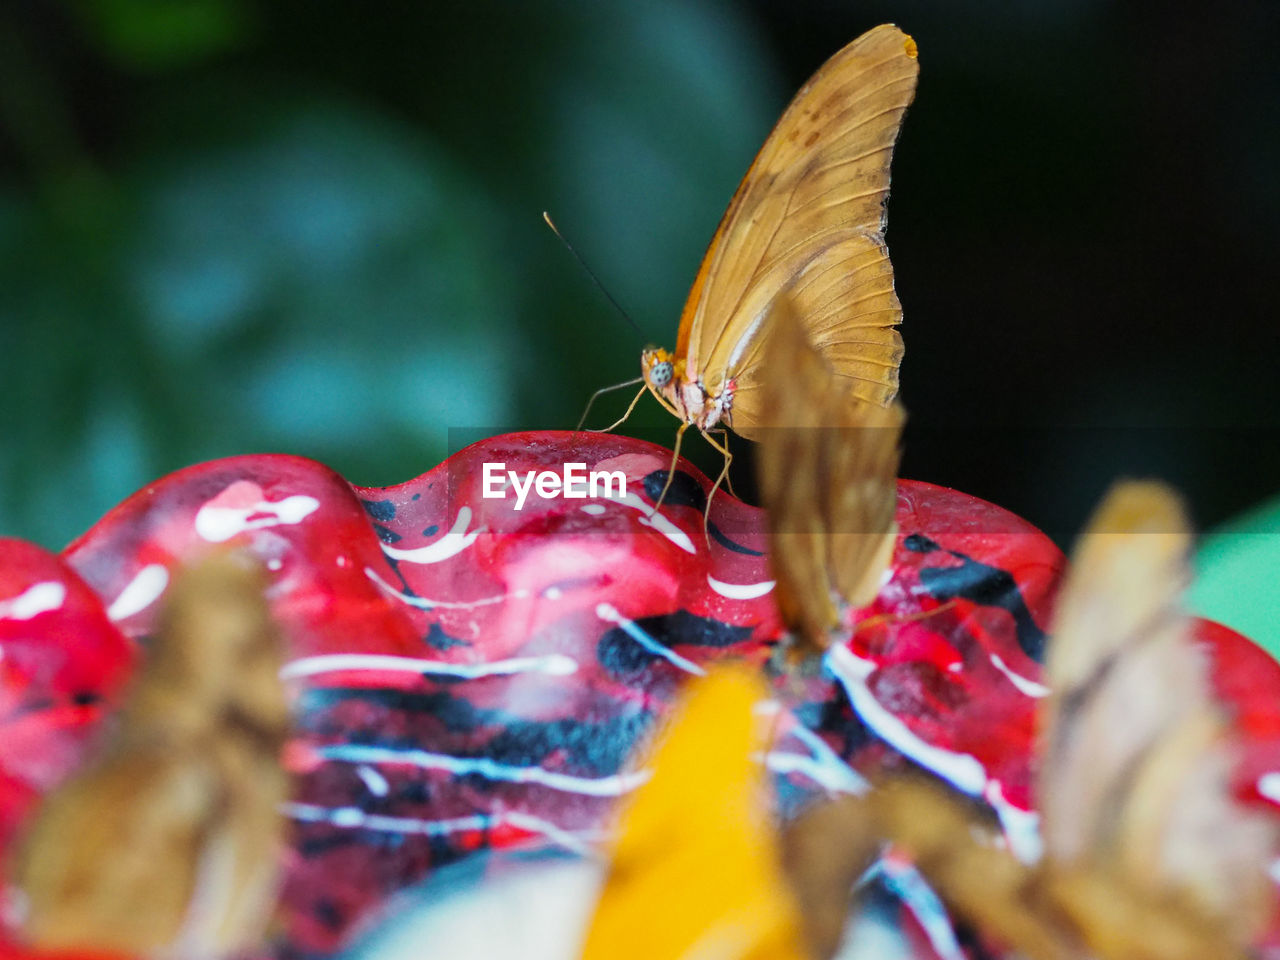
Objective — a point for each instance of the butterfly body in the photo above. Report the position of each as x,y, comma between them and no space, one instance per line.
685,396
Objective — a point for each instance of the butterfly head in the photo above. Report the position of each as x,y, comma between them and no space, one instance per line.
658,367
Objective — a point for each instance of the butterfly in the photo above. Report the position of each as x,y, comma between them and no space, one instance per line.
1148,852
808,217
1136,757
169,841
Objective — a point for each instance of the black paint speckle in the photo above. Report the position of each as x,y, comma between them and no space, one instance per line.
330,914
684,491
436,637
383,510
919,543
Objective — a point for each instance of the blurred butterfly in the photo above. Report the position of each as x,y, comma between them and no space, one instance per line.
1148,851
809,216
168,842
1137,759
828,483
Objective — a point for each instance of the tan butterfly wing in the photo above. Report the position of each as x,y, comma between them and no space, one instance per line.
828,478
810,214
1135,771
845,300
1118,616
168,842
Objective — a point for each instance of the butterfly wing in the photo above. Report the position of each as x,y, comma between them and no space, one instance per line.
1135,771
1118,616
845,300
810,214
828,478
169,841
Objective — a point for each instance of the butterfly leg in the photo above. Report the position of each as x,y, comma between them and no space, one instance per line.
675,459
616,386
724,475
728,481
899,619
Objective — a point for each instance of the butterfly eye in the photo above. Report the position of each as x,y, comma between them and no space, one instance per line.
660,373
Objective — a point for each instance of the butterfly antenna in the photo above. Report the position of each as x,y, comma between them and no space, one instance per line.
591,273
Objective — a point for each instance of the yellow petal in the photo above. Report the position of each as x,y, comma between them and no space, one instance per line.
696,873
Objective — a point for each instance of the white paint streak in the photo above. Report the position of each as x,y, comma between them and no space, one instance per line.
555,664
1269,786
579,841
140,592
961,769
424,603
823,767
36,599
1029,687
825,775
613,785
655,520
606,611
355,818
451,544
595,509
921,900
669,530
740,591
840,775
375,781
219,524
1021,827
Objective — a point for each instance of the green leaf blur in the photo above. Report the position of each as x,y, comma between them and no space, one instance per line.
327,239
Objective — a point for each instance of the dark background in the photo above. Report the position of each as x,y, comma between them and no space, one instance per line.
230,226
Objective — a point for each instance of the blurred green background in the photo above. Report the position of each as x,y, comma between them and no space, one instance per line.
230,226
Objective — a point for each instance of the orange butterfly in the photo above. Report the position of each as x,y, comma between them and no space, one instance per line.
808,217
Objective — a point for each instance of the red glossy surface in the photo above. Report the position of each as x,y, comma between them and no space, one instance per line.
537,647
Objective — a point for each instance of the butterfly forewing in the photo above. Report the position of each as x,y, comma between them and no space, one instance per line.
810,213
